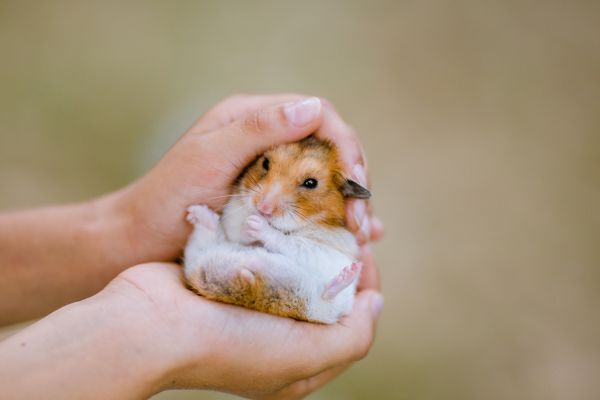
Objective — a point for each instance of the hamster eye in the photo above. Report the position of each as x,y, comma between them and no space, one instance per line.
265,164
310,183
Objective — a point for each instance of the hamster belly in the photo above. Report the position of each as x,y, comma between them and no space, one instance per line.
323,266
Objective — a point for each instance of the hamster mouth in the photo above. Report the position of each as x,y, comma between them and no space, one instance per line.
285,225
281,223
284,231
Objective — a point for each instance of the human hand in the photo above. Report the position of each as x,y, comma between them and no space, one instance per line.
203,164
203,344
146,332
145,221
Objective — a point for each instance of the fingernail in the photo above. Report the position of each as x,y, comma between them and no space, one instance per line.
377,305
303,112
359,175
360,211
377,224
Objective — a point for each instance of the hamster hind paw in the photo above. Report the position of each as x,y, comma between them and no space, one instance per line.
200,214
341,281
247,276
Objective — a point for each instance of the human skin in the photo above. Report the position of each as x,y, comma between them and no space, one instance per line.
145,332
61,254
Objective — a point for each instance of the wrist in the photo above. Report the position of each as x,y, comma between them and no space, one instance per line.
107,227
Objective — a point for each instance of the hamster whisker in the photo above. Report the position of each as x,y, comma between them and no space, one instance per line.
252,189
226,196
295,213
252,180
233,211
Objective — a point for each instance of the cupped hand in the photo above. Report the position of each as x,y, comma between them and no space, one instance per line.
208,345
204,163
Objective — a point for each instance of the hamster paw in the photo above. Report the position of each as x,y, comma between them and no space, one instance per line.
247,276
200,214
256,226
341,281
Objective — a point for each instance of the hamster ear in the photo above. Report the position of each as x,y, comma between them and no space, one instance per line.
353,189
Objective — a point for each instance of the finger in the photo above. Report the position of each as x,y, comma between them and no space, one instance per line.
246,138
377,230
357,220
361,221
369,277
354,163
346,140
237,106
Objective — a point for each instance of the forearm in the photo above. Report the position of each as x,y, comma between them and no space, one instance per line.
56,255
80,351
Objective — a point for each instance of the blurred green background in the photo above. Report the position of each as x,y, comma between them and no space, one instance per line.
481,121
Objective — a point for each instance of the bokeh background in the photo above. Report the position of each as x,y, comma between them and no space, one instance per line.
481,121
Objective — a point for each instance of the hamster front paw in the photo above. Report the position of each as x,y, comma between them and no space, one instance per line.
256,227
200,214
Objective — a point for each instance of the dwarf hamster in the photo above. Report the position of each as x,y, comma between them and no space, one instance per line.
280,245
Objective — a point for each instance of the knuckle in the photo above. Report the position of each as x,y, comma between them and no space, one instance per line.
254,123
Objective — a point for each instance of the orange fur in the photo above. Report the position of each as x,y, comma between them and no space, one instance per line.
260,295
289,166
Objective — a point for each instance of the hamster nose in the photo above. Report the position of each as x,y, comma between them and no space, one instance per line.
265,208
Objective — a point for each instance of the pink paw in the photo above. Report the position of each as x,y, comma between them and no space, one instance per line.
341,281
199,214
247,277
255,225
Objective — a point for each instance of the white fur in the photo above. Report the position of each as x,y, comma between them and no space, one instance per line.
289,251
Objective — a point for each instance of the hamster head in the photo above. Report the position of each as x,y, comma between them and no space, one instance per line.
298,185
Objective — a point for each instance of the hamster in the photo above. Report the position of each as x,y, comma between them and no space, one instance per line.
280,245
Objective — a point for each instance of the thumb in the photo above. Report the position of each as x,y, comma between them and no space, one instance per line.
244,139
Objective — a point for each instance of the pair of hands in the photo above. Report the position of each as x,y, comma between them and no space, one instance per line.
247,353
251,353
156,333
